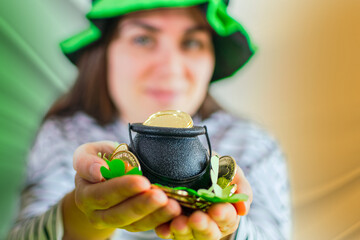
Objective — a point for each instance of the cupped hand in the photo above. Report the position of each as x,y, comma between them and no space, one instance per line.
220,221
126,202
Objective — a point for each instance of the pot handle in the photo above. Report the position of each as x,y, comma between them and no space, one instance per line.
130,136
206,134
208,141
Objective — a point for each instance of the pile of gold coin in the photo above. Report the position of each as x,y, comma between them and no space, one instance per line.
184,198
122,152
171,119
227,171
179,119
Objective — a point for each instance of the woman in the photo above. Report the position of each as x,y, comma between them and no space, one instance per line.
136,59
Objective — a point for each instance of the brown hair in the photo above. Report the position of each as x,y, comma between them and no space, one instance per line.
90,94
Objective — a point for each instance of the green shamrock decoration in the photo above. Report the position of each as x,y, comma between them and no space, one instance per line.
215,193
116,169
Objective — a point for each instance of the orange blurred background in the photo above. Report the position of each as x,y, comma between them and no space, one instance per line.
304,86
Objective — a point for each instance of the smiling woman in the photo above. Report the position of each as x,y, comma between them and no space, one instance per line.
137,58
169,61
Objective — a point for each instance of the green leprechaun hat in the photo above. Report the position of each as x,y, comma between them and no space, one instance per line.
232,44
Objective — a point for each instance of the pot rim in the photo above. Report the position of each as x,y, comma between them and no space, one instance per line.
166,131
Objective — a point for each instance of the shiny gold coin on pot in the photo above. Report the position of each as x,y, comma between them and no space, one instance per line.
170,118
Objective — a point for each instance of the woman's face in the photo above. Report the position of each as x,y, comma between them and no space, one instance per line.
160,60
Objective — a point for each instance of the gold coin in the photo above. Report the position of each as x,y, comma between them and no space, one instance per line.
203,205
182,199
185,199
128,157
198,206
193,203
227,171
120,147
180,194
170,118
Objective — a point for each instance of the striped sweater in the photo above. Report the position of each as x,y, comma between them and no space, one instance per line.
50,175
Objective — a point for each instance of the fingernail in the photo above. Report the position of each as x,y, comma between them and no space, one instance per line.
247,203
95,172
169,236
161,198
183,230
202,224
221,216
165,236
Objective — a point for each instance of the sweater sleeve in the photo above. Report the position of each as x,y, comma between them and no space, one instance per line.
259,155
270,213
49,177
42,227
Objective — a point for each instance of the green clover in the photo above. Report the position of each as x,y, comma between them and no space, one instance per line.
215,193
117,169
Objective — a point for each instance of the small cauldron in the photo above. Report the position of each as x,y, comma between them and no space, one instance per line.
172,156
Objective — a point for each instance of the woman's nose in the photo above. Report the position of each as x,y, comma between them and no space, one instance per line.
171,62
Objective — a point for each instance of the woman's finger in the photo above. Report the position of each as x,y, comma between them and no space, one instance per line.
163,231
160,216
107,194
243,186
180,229
203,227
87,163
130,210
225,216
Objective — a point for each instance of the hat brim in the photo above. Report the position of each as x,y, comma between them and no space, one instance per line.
232,44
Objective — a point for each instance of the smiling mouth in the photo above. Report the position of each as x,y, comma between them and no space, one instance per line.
162,96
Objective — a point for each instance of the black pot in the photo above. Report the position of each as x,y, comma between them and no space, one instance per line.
172,156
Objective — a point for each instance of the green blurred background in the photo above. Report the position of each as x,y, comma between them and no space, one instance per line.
33,73
303,85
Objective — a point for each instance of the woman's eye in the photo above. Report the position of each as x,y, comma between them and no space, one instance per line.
143,40
193,44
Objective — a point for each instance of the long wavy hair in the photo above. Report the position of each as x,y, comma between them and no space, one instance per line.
90,94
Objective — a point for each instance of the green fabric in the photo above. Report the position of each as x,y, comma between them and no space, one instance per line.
81,39
113,8
217,16
33,73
